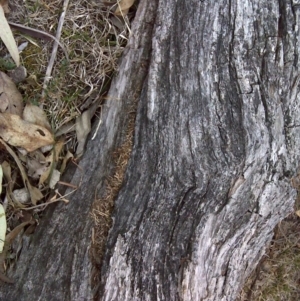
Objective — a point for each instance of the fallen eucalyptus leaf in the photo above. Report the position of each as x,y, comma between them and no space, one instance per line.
11,100
18,132
35,163
10,184
58,147
14,233
8,38
51,160
35,167
83,127
55,177
36,115
118,22
65,161
8,240
2,227
123,7
35,194
65,129
46,174
1,177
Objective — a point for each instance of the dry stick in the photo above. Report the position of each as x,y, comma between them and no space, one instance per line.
55,46
53,200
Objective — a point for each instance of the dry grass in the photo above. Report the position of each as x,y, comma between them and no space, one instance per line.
93,43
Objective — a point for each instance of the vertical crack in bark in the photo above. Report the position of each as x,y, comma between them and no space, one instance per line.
102,207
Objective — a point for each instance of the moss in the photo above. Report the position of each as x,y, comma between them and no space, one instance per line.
6,64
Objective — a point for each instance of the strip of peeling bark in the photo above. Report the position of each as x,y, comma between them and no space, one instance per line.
216,144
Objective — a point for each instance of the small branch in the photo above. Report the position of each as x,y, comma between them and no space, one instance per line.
55,46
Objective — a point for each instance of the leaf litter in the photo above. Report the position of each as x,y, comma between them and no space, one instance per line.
45,120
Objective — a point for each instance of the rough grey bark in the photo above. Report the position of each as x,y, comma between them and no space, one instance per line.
216,145
217,142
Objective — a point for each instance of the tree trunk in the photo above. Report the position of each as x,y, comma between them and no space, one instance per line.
216,145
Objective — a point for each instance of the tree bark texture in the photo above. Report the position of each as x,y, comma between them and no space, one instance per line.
216,144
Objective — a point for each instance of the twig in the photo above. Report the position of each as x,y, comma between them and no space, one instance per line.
55,46
67,184
53,200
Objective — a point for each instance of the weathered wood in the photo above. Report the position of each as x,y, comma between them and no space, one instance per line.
217,142
54,263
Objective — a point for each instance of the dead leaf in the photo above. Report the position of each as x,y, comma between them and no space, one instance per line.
8,38
8,240
55,177
35,194
58,147
38,155
123,7
65,129
65,161
117,22
30,229
51,160
11,100
36,167
36,115
18,132
10,184
298,212
83,127
46,174
6,171
14,233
